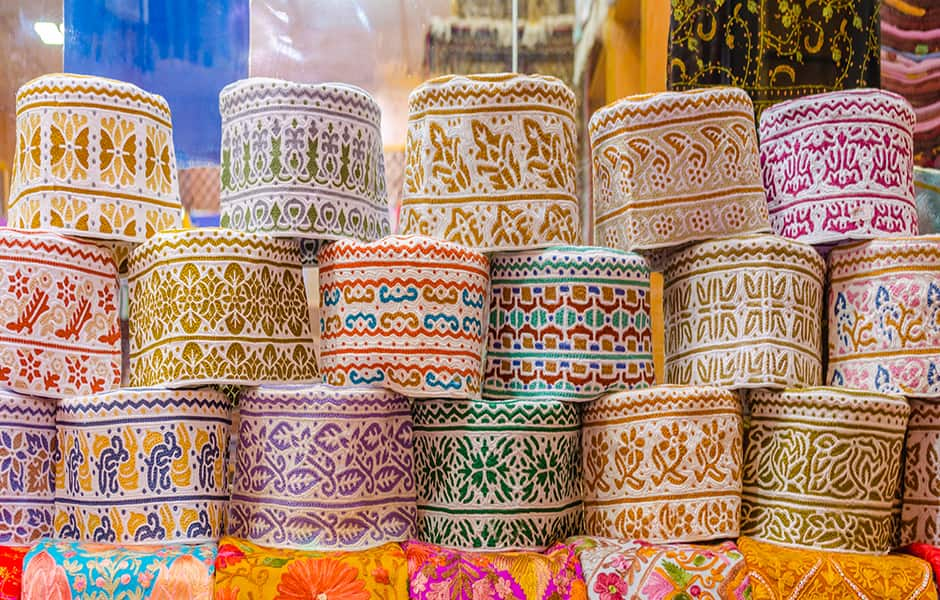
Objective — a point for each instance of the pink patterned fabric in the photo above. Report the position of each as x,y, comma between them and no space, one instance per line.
840,166
884,316
638,570
437,573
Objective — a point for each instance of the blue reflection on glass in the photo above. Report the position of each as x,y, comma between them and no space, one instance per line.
183,50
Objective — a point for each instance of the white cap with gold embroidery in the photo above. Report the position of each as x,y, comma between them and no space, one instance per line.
94,158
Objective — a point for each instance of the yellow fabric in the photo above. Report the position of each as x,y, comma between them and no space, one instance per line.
781,573
245,571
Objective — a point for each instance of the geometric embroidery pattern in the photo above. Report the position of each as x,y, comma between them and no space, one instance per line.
744,312
839,166
218,306
142,466
27,468
94,158
568,324
822,468
302,160
674,168
405,313
323,467
59,332
497,475
884,316
663,464
490,162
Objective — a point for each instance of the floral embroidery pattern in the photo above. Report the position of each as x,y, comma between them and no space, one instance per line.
497,475
625,570
674,168
439,573
778,572
884,316
94,158
822,468
321,577
216,306
27,474
58,313
346,451
244,570
61,570
774,49
662,464
490,162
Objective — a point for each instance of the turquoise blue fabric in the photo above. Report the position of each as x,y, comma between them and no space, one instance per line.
87,571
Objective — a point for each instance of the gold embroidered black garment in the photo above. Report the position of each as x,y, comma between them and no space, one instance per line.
774,49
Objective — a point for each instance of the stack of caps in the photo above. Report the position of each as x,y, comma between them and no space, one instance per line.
94,162
679,172
208,307
910,66
678,176
320,466
490,164
837,168
884,336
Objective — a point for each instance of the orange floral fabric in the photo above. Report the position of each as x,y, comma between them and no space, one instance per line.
246,571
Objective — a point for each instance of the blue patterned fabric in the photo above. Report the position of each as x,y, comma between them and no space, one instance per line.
85,571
